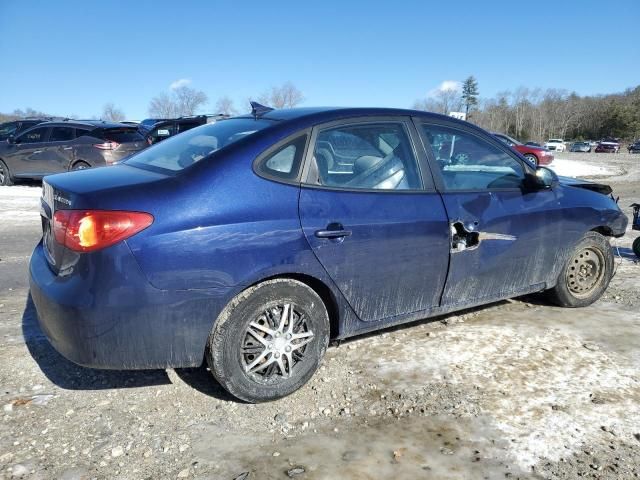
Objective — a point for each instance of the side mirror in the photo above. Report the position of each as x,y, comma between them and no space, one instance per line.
543,179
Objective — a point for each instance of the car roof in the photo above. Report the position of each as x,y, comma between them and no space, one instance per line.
86,123
329,113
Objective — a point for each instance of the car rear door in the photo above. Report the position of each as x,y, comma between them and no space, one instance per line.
379,228
57,152
505,239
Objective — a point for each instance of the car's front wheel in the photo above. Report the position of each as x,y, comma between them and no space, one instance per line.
269,340
587,273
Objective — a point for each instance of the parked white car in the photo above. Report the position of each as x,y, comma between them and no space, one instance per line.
555,144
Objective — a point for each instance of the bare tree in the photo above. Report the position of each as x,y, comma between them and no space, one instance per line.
449,100
189,100
285,96
162,106
112,113
225,106
182,101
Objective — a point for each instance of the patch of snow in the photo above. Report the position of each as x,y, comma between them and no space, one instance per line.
576,168
19,204
544,391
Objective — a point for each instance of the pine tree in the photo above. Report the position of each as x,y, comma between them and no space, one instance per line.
470,94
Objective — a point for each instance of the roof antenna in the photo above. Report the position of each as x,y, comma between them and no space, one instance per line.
257,110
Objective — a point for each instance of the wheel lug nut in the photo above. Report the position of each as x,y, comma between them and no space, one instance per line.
287,348
288,336
277,355
271,346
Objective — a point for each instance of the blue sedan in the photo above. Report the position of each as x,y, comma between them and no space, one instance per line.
253,241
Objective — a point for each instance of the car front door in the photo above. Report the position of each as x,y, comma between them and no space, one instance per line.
372,217
25,154
504,237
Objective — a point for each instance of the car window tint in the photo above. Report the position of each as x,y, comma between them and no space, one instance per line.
62,134
80,132
370,156
122,135
285,162
468,162
7,129
34,136
181,151
183,127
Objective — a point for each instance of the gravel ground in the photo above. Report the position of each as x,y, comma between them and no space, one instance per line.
517,389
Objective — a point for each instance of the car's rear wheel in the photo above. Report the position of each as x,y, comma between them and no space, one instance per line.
5,175
587,273
80,165
269,340
532,158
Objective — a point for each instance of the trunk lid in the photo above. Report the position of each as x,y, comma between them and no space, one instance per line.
113,188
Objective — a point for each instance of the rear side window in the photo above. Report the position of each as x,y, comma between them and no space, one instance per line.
284,163
365,156
121,135
183,127
62,134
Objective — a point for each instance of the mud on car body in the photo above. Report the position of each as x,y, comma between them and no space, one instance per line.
253,241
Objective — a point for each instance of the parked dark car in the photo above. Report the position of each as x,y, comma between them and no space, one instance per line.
607,147
238,241
584,147
15,127
634,147
166,128
54,147
536,155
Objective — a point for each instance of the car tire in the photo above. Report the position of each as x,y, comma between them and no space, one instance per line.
80,165
250,343
635,246
587,273
5,175
532,158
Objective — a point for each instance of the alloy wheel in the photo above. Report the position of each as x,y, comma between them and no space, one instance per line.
275,343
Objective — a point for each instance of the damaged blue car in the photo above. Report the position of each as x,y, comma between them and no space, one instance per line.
252,242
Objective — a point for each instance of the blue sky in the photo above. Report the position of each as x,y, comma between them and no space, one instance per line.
72,57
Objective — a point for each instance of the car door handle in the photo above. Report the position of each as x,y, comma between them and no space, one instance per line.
37,151
333,233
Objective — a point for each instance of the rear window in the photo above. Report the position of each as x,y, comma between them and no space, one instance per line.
121,135
181,151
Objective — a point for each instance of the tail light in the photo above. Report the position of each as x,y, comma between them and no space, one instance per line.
107,145
90,230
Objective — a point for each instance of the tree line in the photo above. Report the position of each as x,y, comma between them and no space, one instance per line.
537,114
524,113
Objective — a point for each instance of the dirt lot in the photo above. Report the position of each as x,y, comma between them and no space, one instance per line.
517,389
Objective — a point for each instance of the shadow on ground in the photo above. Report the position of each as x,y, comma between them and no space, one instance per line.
70,376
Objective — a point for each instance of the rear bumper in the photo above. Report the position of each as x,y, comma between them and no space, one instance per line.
106,314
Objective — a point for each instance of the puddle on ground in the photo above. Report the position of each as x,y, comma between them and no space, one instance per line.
419,447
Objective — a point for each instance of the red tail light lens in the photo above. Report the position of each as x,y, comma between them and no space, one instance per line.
90,230
107,145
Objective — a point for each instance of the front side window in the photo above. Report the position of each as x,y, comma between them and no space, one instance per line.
36,135
368,156
181,151
467,162
62,134
7,129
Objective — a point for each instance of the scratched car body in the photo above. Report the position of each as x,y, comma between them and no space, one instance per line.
253,241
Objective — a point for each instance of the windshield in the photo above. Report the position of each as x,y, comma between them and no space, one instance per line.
183,150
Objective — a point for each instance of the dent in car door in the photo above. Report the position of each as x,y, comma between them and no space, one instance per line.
505,240
386,249
25,157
